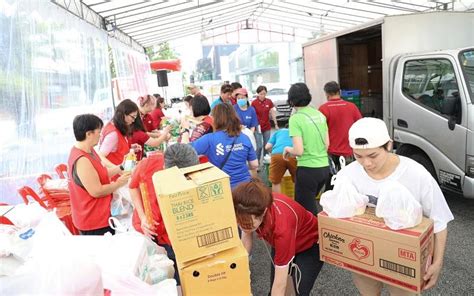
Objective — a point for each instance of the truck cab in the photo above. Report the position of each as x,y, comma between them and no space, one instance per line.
432,114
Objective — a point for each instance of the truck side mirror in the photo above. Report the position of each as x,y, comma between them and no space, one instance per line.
449,104
450,107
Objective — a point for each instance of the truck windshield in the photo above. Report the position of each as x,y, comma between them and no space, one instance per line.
466,58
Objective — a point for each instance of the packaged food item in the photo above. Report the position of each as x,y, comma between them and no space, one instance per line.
130,161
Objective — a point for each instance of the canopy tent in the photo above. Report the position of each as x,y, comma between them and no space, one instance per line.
150,22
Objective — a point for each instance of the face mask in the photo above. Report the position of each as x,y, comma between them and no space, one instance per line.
242,102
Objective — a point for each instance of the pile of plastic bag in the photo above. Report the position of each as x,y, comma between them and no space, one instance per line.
41,252
395,203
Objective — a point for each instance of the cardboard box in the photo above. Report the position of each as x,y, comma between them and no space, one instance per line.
364,244
287,186
198,211
224,273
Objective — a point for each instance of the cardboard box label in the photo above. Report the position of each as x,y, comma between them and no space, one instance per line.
348,246
197,208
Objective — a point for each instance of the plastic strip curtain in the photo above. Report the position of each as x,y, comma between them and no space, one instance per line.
53,66
132,77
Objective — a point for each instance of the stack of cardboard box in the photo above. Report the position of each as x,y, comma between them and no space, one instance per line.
197,208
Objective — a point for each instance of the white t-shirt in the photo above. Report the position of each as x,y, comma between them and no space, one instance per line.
415,178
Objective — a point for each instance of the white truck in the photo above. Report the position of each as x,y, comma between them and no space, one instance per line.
416,72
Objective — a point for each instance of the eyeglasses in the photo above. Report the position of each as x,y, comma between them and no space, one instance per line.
133,116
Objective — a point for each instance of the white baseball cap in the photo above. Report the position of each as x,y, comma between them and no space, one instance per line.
368,133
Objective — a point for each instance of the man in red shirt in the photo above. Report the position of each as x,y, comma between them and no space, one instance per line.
340,115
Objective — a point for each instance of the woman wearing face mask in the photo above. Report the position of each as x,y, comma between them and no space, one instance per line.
246,113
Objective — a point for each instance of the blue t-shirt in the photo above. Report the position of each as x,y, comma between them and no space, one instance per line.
247,117
217,145
217,102
280,139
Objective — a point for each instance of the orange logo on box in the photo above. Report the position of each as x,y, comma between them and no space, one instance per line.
359,250
410,255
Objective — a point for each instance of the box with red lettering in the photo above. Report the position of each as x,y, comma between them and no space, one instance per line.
365,245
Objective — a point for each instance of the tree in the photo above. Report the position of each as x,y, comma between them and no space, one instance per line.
204,69
163,51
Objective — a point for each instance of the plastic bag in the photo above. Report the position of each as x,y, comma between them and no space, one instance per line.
56,185
26,215
398,207
343,201
246,131
121,203
58,271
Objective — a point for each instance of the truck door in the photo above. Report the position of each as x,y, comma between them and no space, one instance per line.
423,85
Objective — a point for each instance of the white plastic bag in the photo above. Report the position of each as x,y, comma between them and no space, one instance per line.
343,201
26,215
398,207
246,131
121,203
56,185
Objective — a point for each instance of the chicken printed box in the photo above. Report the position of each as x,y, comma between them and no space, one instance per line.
198,211
223,273
365,245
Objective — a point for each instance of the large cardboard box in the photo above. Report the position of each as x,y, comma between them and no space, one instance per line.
223,273
197,208
364,244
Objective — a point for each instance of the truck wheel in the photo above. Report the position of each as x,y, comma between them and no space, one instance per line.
424,161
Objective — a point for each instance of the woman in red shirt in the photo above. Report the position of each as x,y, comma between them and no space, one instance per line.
157,114
114,144
90,187
283,223
142,138
146,104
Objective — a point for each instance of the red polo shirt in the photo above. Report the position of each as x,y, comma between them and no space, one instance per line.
140,138
263,113
340,115
143,173
157,115
148,122
289,228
